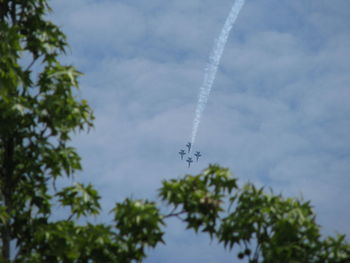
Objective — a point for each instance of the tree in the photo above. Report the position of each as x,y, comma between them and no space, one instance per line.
40,109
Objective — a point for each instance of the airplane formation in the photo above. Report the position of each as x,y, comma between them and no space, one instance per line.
189,160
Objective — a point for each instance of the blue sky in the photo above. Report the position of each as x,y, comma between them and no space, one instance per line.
278,114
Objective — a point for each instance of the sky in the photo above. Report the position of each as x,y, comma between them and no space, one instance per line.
278,114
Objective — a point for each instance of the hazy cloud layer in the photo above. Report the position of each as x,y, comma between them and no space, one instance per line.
278,114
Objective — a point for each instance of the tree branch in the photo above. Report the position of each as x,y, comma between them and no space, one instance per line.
70,217
13,12
175,214
31,64
7,189
3,10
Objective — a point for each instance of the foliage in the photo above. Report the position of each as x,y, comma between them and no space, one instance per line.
81,200
40,109
139,226
200,197
266,227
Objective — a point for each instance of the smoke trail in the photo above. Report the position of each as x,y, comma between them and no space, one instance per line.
212,66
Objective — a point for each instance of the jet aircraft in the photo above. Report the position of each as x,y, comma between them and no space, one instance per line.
189,145
182,153
197,154
189,160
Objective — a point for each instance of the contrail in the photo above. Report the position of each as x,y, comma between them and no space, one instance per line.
212,66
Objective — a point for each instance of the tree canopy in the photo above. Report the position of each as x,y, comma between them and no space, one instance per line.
40,109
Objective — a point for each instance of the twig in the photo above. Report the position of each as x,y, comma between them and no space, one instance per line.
31,64
174,214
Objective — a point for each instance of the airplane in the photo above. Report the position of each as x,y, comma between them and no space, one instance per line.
182,153
189,160
197,154
189,145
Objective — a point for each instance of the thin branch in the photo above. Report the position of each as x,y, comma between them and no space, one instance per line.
257,251
20,252
3,10
70,217
13,13
44,130
7,190
22,14
31,64
175,214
